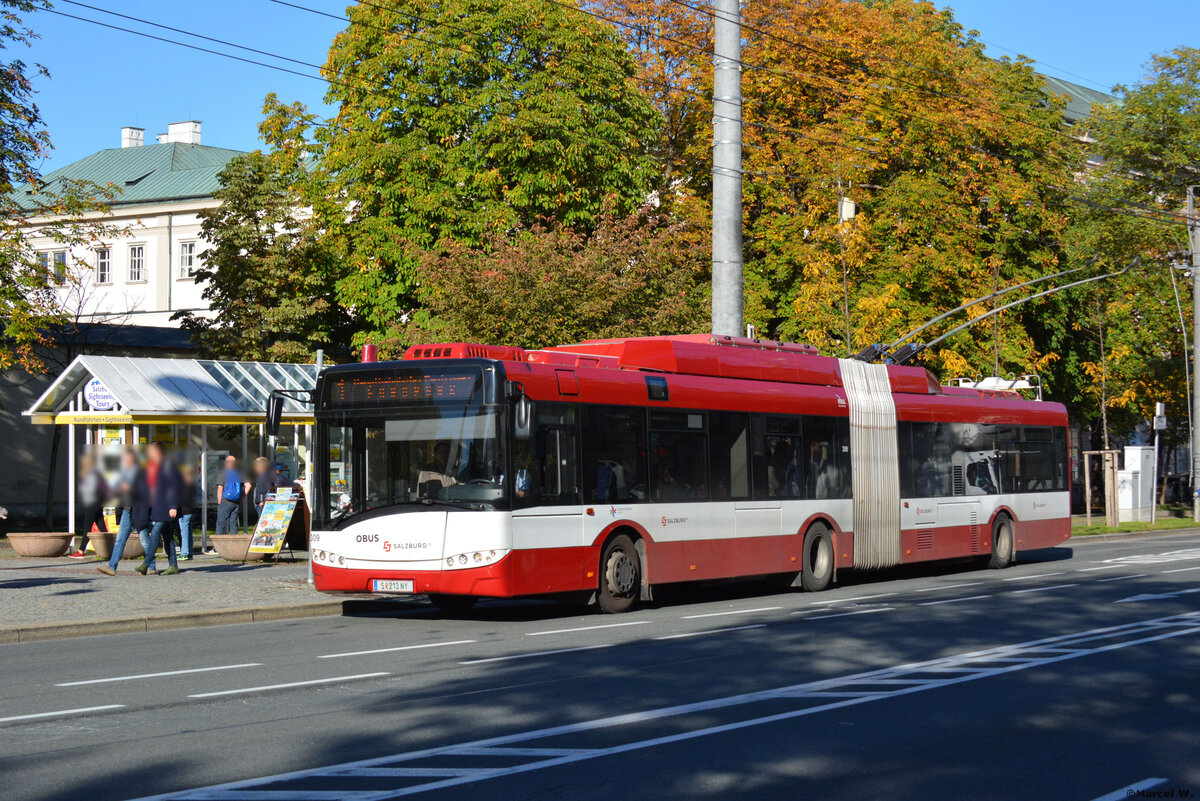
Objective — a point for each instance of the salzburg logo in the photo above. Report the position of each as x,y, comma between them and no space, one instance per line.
669,520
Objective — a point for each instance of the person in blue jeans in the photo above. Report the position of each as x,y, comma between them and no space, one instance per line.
230,492
189,501
162,478
135,509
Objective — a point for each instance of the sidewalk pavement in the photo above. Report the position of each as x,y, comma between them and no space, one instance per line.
52,598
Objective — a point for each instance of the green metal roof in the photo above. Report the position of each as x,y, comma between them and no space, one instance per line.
1080,99
146,174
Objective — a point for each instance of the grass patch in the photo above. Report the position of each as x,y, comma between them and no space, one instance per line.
1162,524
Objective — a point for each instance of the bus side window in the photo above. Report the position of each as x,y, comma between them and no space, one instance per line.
614,457
729,438
820,460
678,458
781,443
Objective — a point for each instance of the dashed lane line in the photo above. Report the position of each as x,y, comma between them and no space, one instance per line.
1034,576
709,631
953,600
949,586
397,648
157,675
588,628
1122,578
1044,589
855,598
848,614
511,657
732,612
289,685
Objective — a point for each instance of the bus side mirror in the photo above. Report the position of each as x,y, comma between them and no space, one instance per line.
523,418
274,414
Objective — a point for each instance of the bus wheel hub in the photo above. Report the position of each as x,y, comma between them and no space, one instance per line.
620,573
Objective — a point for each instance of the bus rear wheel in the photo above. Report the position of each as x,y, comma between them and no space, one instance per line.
818,558
1002,543
620,575
452,604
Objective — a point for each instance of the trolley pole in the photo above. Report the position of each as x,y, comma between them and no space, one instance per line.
727,169
1194,243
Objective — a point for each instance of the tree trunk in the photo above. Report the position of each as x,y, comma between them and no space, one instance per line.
52,476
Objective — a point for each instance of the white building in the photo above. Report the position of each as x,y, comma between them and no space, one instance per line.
144,275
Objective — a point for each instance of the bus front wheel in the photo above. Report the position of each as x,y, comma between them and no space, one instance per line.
620,575
1002,543
818,558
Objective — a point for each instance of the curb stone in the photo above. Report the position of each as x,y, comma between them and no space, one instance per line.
183,620
1133,535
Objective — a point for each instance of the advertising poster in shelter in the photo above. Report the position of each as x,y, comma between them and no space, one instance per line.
272,527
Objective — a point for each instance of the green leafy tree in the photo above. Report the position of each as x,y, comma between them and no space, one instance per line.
1131,354
67,213
269,278
458,121
636,275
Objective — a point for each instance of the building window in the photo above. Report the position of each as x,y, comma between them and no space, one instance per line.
54,262
103,266
137,263
187,259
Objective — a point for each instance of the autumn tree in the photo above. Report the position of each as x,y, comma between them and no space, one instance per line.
461,120
632,275
269,278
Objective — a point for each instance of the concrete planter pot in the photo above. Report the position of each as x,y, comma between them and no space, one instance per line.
104,542
235,547
39,544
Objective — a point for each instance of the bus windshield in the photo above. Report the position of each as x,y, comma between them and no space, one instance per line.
448,456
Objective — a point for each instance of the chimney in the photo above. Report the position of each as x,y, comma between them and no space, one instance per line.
187,132
133,137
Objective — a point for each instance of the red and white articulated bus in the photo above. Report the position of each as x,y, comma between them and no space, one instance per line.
609,467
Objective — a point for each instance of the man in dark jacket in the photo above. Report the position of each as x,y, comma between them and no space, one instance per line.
166,487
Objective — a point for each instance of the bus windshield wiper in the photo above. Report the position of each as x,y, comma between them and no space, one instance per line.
457,504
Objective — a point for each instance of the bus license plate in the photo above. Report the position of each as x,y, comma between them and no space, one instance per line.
392,585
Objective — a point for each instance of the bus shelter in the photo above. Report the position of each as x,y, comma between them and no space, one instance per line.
198,406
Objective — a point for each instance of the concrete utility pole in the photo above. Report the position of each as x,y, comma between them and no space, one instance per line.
727,169
1194,243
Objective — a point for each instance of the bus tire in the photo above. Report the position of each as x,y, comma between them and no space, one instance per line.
452,604
1002,543
620,575
818,558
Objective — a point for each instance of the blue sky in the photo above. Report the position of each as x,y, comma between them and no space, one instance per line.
103,79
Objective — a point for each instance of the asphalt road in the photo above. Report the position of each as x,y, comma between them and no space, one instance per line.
1073,675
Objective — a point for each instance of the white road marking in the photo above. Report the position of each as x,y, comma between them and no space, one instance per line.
856,598
847,614
949,586
953,600
1131,790
308,683
397,648
62,713
1157,596
536,653
733,612
710,631
587,628
929,675
1043,589
157,675
1122,578
1036,575
1181,569
1102,567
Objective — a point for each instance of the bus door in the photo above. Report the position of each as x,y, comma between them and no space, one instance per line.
548,519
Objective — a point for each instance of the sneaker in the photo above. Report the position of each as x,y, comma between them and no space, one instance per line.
106,570
142,568
187,557
77,555
170,571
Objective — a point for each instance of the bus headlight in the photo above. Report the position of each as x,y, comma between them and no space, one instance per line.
474,559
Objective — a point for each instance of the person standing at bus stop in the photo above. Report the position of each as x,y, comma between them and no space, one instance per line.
230,492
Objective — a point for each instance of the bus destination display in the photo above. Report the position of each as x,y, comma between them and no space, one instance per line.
356,390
